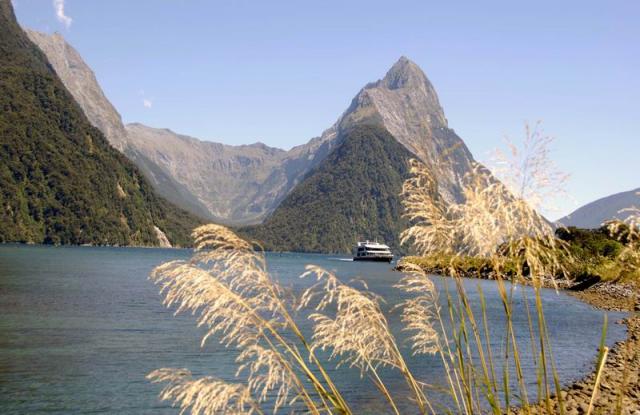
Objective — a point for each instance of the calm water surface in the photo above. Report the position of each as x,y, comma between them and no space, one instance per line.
81,327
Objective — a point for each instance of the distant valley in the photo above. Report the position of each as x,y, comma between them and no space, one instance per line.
227,184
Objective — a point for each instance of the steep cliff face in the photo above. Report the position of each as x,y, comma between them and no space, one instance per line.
233,183
80,80
405,103
244,184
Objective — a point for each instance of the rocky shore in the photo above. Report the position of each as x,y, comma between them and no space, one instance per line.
609,296
619,390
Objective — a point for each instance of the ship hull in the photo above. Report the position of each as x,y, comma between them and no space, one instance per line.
373,259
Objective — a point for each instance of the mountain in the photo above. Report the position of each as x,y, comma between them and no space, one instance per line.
60,180
229,184
353,194
244,184
406,104
83,85
235,184
80,80
250,184
594,214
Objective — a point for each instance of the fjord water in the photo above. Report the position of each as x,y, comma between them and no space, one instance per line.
80,328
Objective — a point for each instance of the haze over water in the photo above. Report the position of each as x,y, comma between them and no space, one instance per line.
81,327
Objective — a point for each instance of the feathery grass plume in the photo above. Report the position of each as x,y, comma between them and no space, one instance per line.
234,261
233,298
497,221
627,232
534,182
492,223
359,333
219,309
420,311
268,371
481,219
528,170
633,223
216,237
203,396
531,177
434,228
227,286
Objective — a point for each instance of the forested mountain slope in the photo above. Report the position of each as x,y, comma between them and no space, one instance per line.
353,194
60,180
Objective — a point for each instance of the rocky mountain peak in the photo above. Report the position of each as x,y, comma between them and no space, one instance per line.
404,73
404,101
407,105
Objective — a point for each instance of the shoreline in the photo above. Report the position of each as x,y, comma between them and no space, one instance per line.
619,390
91,246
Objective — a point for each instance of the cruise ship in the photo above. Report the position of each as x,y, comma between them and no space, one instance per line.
372,251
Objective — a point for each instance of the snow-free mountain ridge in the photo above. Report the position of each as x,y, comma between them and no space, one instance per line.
244,184
594,214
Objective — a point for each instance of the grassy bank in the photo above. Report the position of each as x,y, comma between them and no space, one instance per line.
603,272
592,256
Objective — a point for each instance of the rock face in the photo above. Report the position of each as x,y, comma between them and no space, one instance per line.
232,183
594,214
405,103
244,184
163,241
83,85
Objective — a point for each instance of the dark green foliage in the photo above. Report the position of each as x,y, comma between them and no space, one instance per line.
352,195
467,266
621,232
587,243
594,255
60,180
599,253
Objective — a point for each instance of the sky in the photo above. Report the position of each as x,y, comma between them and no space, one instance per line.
280,72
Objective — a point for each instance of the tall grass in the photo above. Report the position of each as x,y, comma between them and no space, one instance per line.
627,231
227,286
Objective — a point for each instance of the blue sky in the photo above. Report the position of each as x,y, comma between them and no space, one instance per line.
281,72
